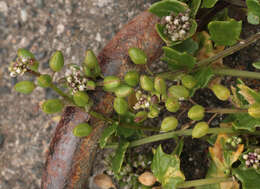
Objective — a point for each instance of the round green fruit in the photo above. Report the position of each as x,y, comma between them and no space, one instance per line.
57,61
90,59
221,92
137,55
169,123
124,91
110,83
25,54
146,83
179,92
254,110
200,130
52,106
81,98
120,106
196,112
82,130
172,104
132,78
44,80
25,87
188,81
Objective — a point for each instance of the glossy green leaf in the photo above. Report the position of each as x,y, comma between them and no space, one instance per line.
248,177
52,106
25,87
253,6
189,45
253,19
257,65
208,3
225,32
166,168
107,133
202,76
178,60
195,5
119,157
245,122
164,8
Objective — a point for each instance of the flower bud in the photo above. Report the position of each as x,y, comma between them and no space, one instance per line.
25,54
81,98
254,110
111,83
25,87
221,92
178,91
146,83
120,106
147,179
44,80
137,55
196,112
140,117
90,85
52,106
160,85
154,112
88,72
169,123
200,129
188,81
57,61
172,104
132,78
124,91
90,59
34,66
82,130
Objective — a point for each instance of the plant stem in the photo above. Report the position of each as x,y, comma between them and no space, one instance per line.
231,50
226,110
187,132
60,92
200,182
100,116
237,73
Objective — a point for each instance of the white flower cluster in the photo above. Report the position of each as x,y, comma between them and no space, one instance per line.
20,66
234,141
143,101
252,159
76,81
177,26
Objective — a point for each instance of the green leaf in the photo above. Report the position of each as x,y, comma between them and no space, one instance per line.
189,45
119,157
107,133
225,32
202,76
253,19
248,177
257,64
178,60
253,6
166,168
25,87
195,5
208,3
82,130
245,122
166,7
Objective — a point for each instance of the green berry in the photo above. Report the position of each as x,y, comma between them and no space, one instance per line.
90,59
82,130
188,81
169,123
57,61
124,91
146,83
200,130
172,104
132,78
140,117
120,106
160,85
25,87
52,106
81,98
221,92
196,112
110,83
254,110
178,91
137,55
25,54
44,80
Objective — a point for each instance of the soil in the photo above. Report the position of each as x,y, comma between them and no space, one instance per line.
73,26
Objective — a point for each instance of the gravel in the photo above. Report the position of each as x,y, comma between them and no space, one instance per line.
44,26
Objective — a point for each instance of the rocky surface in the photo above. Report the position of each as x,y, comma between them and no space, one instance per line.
44,26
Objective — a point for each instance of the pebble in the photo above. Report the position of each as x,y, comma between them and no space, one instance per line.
60,29
3,7
1,140
24,15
